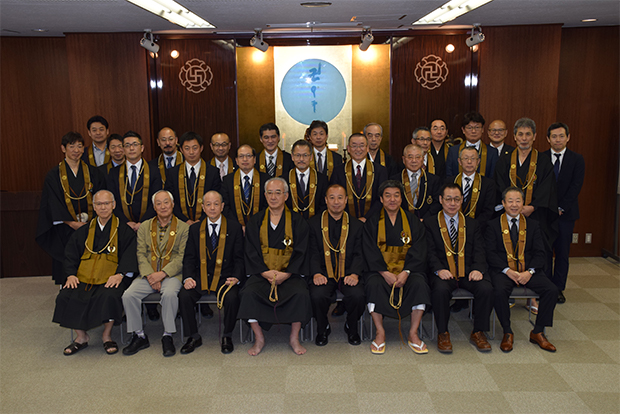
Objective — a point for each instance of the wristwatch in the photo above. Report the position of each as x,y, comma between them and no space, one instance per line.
532,271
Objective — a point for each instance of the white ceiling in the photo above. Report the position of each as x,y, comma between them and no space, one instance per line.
20,17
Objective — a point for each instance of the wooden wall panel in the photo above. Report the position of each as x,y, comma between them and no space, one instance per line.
108,77
35,109
209,111
589,103
519,68
413,105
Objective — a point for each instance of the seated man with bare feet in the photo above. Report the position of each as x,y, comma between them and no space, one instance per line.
275,292
394,245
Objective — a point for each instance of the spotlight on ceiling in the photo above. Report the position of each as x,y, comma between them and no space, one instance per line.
258,42
367,39
148,42
476,36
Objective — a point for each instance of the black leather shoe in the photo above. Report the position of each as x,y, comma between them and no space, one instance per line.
167,344
227,345
561,298
190,345
339,310
352,336
136,345
322,338
206,310
152,312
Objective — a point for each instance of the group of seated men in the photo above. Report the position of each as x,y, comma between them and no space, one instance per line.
275,243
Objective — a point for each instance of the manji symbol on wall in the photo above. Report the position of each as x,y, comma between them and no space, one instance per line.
195,75
431,72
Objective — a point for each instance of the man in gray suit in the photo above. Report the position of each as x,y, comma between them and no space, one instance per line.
161,245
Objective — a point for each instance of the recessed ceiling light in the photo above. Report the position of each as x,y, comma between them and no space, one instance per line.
589,20
450,48
40,30
316,4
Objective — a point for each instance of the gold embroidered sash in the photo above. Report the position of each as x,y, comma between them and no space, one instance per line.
160,258
483,157
312,178
123,185
381,156
204,253
530,179
97,267
162,165
91,156
394,256
245,211
447,244
279,161
330,162
340,250
517,262
474,196
188,200
366,193
88,185
277,259
430,165
410,197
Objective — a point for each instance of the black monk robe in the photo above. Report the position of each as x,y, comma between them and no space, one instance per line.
193,202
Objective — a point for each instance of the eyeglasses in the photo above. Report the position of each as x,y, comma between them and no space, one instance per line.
452,199
357,146
473,128
497,131
220,145
103,203
413,157
276,192
245,156
132,144
302,155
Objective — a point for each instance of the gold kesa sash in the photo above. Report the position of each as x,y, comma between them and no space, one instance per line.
88,185
160,258
277,259
204,253
243,210
483,157
530,179
91,156
330,162
516,263
381,156
123,185
366,193
409,196
475,193
430,165
394,256
189,200
97,267
262,159
447,244
292,179
162,165
339,250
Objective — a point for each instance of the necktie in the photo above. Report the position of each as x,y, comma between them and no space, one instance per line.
467,190
246,189
271,167
222,170
302,184
453,238
414,188
514,233
556,165
320,162
358,179
192,180
213,236
169,164
134,177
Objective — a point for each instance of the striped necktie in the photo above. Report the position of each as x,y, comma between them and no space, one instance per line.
453,234
271,167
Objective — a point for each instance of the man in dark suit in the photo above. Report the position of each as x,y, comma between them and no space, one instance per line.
213,261
456,260
307,186
273,160
497,135
220,145
439,149
569,169
374,135
516,257
323,159
190,181
472,126
97,154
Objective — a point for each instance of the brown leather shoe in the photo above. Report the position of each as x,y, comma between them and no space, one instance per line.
443,343
480,340
507,340
541,341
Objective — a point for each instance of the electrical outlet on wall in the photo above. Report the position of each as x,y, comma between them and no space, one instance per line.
575,238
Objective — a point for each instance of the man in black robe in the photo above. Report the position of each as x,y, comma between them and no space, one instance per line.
117,154
497,137
323,159
66,201
100,260
472,127
374,135
275,250
439,147
456,260
220,145
168,142
308,187
218,241
336,262
272,160
394,246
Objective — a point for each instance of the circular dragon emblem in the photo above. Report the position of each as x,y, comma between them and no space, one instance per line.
195,75
431,72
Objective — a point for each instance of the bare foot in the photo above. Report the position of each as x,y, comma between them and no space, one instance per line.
415,339
296,345
257,347
379,339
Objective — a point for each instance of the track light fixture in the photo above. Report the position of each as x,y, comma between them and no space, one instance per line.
148,42
367,39
258,42
476,36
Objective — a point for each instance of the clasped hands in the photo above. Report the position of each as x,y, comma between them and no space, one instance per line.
445,274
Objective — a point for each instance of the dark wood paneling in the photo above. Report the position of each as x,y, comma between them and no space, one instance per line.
108,77
36,109
519,76
588,102
207,112
413,105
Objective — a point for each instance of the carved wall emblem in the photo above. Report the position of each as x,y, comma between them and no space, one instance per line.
431,72
195,75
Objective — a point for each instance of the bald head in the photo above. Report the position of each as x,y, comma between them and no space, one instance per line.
167,141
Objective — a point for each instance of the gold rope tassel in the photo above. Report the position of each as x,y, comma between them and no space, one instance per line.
273,294
220,300
397,307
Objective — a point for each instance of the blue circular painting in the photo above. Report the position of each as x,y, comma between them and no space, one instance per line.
313,89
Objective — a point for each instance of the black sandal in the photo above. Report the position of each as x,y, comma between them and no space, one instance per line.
74,347
108,345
